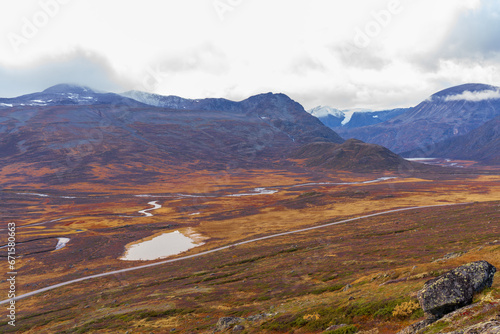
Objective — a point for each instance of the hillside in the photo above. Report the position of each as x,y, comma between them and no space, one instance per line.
352,155
481,144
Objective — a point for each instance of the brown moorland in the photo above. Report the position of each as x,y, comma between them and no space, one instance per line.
296,281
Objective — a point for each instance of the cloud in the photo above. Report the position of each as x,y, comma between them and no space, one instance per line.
475,96
203,58
472,36
78,67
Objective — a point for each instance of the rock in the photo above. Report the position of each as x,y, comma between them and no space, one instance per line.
489,327
416,327
479,273
226,323
258,317
450,256
238,328
455,288
334,327
347,287
445,294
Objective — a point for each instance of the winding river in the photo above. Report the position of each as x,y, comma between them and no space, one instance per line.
155,207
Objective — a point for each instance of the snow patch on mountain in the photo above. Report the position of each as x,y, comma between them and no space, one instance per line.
147,98
324,111
345,115
348,114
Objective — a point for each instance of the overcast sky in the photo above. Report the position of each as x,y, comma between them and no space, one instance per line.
345,54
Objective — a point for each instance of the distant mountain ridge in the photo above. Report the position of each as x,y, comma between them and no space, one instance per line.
67,94
447,114
341,120
481,144
176,102
84,132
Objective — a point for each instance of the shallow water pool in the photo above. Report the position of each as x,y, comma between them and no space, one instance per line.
159,247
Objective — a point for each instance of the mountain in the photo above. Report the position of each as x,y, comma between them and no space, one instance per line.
176,102
360,119
67,94
352,155
330,117
123,140
264,106
481,144
342,120
447,114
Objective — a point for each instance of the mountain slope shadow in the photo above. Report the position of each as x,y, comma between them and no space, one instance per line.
353,155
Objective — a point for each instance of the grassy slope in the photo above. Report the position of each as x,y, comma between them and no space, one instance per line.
296,279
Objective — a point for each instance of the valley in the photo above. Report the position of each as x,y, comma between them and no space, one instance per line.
224,209
165,214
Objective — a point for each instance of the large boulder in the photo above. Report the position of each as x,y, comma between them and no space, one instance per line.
455,289
480,274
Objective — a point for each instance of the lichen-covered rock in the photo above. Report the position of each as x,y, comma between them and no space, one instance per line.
480,274
226,323
445,294
238,328
455,289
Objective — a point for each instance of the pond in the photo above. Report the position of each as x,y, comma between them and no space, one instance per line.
159,247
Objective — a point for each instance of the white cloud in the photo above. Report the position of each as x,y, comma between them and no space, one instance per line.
77,67
475,96
295,47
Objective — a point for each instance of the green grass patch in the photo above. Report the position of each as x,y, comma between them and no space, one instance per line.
436,328
313,320
343,330
332,288
250,260
309,194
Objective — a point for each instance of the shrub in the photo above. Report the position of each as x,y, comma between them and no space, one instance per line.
314,316
405,309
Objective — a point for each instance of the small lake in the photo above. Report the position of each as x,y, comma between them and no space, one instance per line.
160,247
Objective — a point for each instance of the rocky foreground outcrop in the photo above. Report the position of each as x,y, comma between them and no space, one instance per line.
489,327
452,291
455,289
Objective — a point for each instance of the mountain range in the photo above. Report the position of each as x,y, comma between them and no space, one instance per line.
67,95
452,123
70,133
